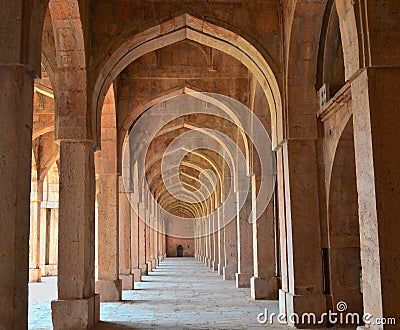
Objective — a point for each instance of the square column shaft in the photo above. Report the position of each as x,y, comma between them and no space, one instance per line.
245,241
76,287
264,284
16,97
376,125
109,286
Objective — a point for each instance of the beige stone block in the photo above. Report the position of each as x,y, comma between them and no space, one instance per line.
301,304
109,290
75,314
243,280
220,269
264,288
137,274
35,275
127,281
228,274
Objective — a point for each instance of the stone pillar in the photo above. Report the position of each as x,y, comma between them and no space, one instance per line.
164,242
142,239
212,242
231,250
155,240
35,272
109,286
196,246
264,284
125,238
282,231
160,238
221,244
149,256
16,97
303,234
208,241
245,241
77,306
203,241
375,101
43,238
215,254
135,269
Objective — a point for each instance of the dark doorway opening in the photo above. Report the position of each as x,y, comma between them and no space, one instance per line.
179,251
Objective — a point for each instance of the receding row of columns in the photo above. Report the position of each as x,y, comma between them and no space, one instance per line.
241,250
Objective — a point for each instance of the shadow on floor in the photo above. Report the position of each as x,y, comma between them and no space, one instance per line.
111,326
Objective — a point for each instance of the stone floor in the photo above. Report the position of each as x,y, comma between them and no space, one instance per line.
181,293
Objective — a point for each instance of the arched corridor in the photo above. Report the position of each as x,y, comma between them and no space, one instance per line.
189,163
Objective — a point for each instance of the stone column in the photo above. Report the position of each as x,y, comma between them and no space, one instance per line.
203,241
208,241
43,237
160,238
221,244
282,231
35,272
16,97
303,233
200,240
109,286
142,239
77,306
245,241
149,256
231,250
155,240
376,133
164,242
125,273
212,242
264,284
215,254
135,269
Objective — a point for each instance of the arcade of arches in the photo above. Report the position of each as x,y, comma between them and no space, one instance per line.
322,77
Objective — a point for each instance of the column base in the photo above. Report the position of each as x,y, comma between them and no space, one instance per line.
160,258
35,275
144,269
49,270
228,274
243,280
149,266
354,303
282,302
302,304
209,262
220,269
214,266
137,274
109,290
264,288
127,281
75,314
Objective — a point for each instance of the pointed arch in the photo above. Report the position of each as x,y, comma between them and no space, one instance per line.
200,31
